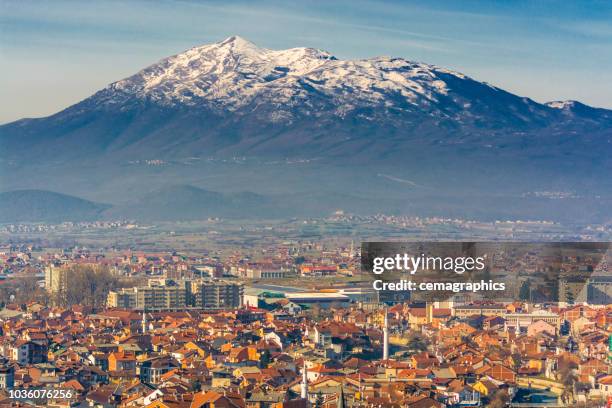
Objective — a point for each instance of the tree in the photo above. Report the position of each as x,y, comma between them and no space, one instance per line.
196,385
469,341
525,291
319,400
21,290
499,399
315,312
417,342
87,285
569,296
568,379
265,359
517,359
27,289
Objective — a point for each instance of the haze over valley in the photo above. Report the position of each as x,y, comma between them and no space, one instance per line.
234,130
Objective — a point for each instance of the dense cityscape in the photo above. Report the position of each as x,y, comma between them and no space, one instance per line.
266,316
321,204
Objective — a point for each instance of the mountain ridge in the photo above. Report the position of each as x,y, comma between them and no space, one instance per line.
227,94
226,111
30,205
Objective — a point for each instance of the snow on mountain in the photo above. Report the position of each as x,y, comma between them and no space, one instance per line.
561,104
572,108
233,97
235,73
218,72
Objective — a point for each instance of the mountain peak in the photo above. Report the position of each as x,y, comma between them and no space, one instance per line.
236,39
227,74
238,44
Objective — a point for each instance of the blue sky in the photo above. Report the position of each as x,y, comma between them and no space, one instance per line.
55,53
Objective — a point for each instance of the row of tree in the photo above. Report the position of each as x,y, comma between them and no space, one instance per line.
87,285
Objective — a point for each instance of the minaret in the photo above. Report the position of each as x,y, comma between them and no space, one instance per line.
341,402
304,385
386,338
144,322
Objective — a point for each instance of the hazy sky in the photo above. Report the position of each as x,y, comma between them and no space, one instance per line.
55,53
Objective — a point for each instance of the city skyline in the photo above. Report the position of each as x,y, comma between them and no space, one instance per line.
277,323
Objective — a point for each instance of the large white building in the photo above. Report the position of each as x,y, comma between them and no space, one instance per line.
523,320
165,294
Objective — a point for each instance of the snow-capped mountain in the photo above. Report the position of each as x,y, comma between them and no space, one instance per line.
233,97
237,76
222,76
402,125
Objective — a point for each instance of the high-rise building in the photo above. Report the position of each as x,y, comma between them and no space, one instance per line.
122,298
157,295
55,279
165,294
217,294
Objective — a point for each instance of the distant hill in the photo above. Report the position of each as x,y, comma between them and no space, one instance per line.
46,206
184,202
187,202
